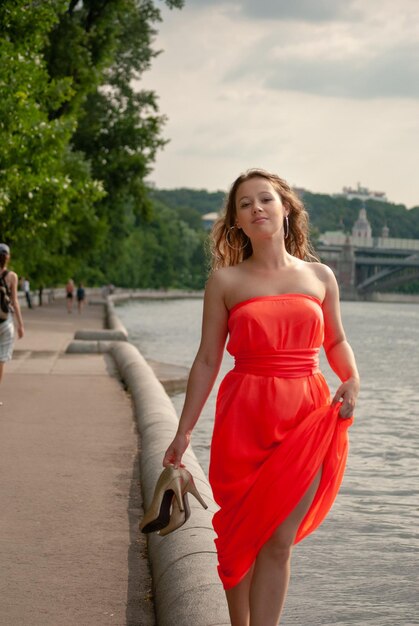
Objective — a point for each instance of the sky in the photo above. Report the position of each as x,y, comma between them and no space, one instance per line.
324,93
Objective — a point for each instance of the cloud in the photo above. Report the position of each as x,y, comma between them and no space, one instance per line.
325,103
377,58
300,10
392,74
333,48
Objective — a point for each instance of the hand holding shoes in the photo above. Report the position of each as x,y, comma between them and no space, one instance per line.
169,508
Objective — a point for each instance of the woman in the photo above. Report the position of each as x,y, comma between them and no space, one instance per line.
69,289
279,444
7,329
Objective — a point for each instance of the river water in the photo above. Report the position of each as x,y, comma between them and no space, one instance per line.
362,565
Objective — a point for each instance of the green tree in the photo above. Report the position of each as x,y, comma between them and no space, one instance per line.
163,252
119,127
199,200
39,181
77,140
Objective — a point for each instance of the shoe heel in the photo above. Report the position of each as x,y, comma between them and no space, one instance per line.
176,486
191,487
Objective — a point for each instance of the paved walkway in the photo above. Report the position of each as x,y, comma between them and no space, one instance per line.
70,551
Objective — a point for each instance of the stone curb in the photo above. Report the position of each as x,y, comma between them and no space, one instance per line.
101,335
187,589
149,294
88,347
93,338
112,320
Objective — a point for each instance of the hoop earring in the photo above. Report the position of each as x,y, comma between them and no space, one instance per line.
286,227
229,243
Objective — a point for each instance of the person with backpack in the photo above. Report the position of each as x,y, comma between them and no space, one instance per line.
9,305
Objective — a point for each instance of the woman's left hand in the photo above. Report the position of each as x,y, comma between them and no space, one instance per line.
347,393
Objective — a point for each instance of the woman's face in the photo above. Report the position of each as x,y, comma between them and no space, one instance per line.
259,208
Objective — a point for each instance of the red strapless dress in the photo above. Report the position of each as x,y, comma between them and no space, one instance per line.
274,428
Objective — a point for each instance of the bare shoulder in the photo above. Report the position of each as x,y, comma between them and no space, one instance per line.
11,278
328,279
223,283
323,272
221,280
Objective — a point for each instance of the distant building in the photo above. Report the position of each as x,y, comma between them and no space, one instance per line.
361,233
361,193
362,237
385,232
332,238
208,220
361,230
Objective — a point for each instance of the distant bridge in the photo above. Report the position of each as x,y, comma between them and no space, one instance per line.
360,270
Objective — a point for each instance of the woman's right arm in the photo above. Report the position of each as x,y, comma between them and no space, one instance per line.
15,303
204,369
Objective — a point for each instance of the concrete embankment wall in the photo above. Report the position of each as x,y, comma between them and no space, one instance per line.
187,590
399,298
96,294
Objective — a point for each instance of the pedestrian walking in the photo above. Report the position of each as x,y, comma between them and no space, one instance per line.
9,307
280,442
69,289
27,291
81,297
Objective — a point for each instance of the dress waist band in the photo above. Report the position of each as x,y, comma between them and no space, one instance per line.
284,363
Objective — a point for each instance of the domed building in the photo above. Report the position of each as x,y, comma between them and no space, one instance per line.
361,230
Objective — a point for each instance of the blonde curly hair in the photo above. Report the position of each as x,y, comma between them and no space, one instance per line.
230,245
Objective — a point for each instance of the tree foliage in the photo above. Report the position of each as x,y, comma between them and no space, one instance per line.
164,252
119,126
78,136
326,212
199,200
40,183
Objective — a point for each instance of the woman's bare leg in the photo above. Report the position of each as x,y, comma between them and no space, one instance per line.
238,601
271,572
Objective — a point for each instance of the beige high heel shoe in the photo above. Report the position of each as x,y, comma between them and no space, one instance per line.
170,500
177,516
169,485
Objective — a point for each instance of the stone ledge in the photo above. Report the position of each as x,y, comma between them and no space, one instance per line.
187,589
101,335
